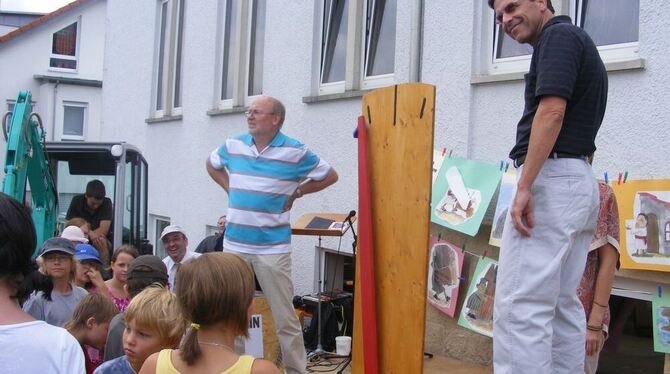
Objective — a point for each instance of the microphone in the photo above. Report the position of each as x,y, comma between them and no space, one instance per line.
351,215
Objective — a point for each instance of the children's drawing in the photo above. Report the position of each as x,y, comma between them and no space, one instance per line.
505,196
438,158
462,192
660,306
444,271
644,212
477,311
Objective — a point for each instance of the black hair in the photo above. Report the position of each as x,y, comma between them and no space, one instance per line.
17,241
549,6
95,189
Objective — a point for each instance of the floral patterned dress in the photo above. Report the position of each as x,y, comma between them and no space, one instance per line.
607,231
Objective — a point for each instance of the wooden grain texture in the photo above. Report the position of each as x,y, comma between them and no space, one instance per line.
400,157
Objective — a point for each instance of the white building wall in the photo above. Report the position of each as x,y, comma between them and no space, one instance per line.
27,55
476,120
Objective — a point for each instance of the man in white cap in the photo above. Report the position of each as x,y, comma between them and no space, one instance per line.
175,243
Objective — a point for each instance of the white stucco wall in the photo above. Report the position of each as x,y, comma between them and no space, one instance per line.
27,55
477,121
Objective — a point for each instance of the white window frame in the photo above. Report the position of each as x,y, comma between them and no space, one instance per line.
355,78
373,81
77,48
239,52
168,58
520,64
156,233
84,126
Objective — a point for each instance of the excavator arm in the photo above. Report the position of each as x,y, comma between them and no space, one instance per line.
26,161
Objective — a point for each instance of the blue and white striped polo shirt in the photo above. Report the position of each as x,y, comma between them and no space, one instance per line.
260,184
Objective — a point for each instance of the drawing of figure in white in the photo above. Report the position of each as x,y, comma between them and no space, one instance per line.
641,235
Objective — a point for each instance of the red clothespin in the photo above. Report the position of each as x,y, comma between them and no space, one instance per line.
619,180
484,254
444,150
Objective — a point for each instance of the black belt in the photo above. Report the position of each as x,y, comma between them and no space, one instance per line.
519,161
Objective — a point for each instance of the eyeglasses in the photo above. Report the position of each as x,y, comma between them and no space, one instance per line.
255,113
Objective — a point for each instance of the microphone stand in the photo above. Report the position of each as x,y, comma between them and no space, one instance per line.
347,361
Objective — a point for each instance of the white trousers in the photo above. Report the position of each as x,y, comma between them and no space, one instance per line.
539,324
274,275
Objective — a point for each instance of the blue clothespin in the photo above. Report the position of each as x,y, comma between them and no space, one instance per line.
659,289
625,176
506,166
356,133
607,180
501,164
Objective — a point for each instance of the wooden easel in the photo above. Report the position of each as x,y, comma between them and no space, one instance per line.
400,121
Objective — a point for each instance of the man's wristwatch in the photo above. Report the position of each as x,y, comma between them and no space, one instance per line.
297,193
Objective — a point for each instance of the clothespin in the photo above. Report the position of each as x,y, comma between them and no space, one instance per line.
659,289
463,246
461,278
450,152
506,166
444,150
619,180
484,254
501,164
439,236
607,180
625,176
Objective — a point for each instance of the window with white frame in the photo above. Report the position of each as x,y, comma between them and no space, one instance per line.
159,223
612,24
169,38
64,48
357,46
242,46
10,108
74,120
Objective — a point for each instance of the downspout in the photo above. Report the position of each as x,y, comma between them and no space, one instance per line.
53,112
416,39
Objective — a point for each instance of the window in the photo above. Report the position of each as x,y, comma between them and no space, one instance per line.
612,24
242,46
160,223
10,108
74,120
357,46
168,86
64,48
380,20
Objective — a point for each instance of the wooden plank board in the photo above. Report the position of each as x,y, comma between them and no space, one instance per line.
401,122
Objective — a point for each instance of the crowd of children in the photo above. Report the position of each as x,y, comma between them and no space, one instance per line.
139,324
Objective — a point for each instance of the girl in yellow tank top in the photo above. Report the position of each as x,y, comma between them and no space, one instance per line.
215,292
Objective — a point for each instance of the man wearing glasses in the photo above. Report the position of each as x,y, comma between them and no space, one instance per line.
539,323
263,173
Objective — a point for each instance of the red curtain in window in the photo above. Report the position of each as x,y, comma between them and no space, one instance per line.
65,41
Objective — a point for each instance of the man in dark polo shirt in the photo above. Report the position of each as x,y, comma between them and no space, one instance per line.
539,324
97,210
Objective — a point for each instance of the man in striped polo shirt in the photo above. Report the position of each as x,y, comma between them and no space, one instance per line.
263,172
539,324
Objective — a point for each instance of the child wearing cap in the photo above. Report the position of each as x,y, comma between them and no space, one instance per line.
28,345
88,266
89,324
88,277
153,322
55,304
144,271
215,292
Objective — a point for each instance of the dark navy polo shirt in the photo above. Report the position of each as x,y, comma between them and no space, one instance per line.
565,63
